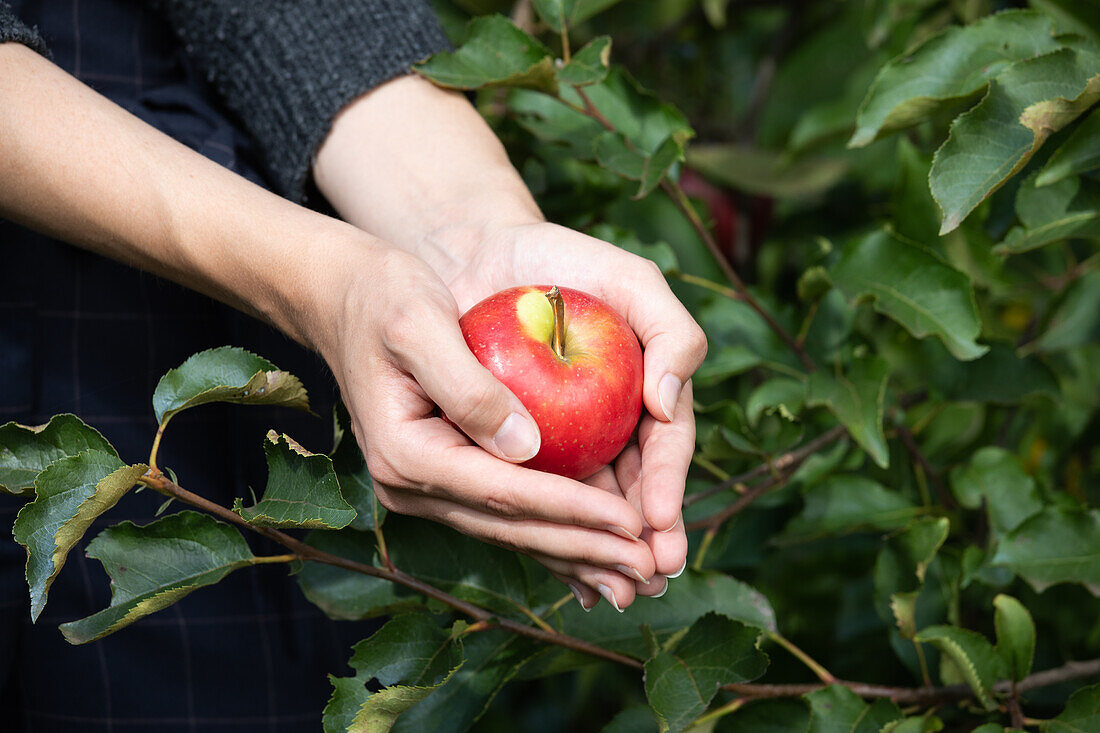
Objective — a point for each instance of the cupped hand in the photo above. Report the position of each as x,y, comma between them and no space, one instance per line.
478,262
396,349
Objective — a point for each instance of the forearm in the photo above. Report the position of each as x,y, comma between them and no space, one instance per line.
409,161
78,167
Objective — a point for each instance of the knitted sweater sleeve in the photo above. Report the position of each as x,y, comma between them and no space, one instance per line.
13,31
287,67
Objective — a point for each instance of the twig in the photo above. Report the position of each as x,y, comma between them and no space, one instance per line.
793,459
161,483
1014,711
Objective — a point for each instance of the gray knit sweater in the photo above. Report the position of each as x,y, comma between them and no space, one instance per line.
287,67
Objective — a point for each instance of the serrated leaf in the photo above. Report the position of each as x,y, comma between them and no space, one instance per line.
1015,635
155,565
766,172
26,450
1082,713
356,484
635,112
1025,105
660,253
615,153
344,594
901,568
70,494
379,713
302,490
409,648
1055,546
1076,320
912,285
349,694
689,597
492,658
972,655
1078,154
848,503
995,476
836,709
558,14
1067,209
716,650
948,69
856,399
226,374
780,394
589,65
495,54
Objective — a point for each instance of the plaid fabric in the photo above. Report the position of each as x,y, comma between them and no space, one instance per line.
79,333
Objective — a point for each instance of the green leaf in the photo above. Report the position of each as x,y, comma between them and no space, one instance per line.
948,69
226,374
615,153
1026,104
972,655
635,112
766,172
26,450
492,658
637,719
836,709
680,683
660,253
1015,635
409,648
725,362
1055,546
1080,153
155,565
856,400
689,597
848,503
901,568
1001,377
912,285
1082,713
495,54
356,484
70,494
302,490
558,14
1067,209
780,394
345,594
472,570
589,65
1076,320
995,476
768,716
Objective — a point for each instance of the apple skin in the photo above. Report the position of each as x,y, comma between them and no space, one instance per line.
587,404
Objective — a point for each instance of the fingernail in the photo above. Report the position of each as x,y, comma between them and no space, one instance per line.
668,393
674,525
680,572
579,597
517,439
631,573
621,532
663,590
609,595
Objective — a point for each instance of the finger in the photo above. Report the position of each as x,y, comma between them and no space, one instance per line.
428,343
531,536
666,448
586,597
613,586
656,588
669,548
468,475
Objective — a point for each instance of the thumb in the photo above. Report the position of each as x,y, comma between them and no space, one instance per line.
469,395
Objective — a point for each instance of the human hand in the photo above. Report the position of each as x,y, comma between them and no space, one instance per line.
396,349
476,262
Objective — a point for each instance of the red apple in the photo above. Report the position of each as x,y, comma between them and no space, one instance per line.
573,362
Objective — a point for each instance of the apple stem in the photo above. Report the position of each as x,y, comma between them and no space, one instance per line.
557,341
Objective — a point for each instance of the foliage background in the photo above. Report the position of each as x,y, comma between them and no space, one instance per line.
909,189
